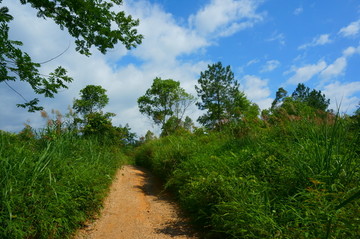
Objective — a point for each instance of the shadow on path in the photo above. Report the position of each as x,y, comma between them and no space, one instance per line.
153,187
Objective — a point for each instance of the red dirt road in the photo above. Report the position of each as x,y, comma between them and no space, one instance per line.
136,208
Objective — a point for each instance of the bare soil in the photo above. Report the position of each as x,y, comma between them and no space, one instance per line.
137,207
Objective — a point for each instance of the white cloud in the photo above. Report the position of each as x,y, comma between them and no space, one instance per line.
343,95
351,51
351,30
165,41
339,66
298,11
24,15
322,40
317,41
305,73
335,69
270,66
325,71
226,17
257,90
252,62
279,37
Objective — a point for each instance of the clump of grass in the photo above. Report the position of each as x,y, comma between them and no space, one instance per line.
49,187
298,179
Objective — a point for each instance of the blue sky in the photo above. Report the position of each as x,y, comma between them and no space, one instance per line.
268,44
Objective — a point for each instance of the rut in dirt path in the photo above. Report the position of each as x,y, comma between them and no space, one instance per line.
136,207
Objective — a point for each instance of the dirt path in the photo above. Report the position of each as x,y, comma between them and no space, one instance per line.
137,208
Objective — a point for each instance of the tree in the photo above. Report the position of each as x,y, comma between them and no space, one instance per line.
313,99
303,102
165,99
15,64
300,93
188,124
317,100
220,96
98,124
170,126
149,136
124,135
90,22
280,96
92,99
173,125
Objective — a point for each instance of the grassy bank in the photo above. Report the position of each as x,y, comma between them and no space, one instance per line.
49,187
295,179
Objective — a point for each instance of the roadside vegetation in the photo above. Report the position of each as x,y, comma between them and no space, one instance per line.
297,179
48,188
54,179
292,172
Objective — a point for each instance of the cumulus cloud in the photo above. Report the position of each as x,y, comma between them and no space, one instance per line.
351,30
270,66
305,73
165,41
257,90
324,70
226,17
342,95
351,51
339,66
317,41
164,38
335,69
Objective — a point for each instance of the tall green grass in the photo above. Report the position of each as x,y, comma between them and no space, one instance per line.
298,179
48,188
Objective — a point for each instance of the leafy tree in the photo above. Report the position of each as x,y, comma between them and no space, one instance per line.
124,135
317,100
313,99
174,125
15,64
170,126
188,124
163,100
90,22
220,96
98,124
280,96
94,122
149,136
93,99
302,102
300,93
